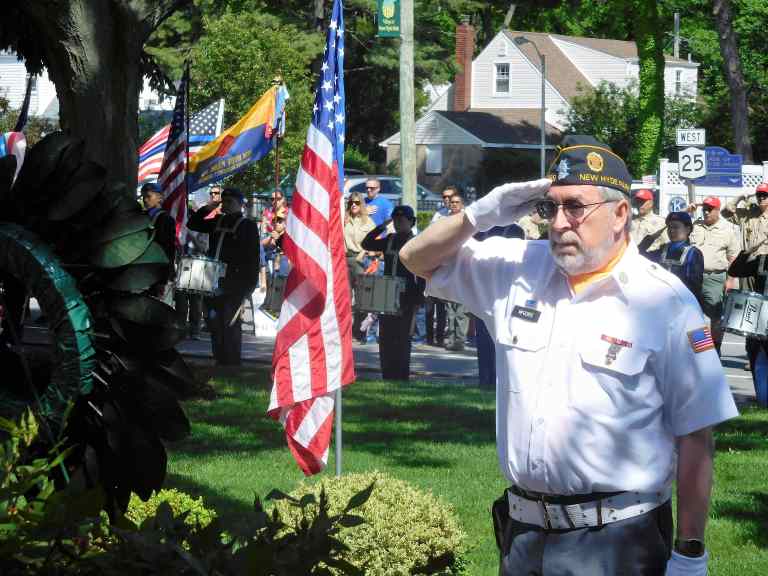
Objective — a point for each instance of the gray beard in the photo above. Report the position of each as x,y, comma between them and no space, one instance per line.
583,262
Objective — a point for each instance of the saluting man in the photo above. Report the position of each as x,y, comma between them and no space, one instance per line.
648,230
600,405
752,220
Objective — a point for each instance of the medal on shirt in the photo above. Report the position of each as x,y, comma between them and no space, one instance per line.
616,345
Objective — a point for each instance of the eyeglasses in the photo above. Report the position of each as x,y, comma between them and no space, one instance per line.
572,209
761,195
446,197
371,187
215,193
354,202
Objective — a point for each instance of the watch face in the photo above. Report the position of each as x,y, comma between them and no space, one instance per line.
691,548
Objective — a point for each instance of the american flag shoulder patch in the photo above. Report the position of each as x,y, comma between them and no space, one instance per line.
701,339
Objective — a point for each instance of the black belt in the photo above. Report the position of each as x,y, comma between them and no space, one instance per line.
562,499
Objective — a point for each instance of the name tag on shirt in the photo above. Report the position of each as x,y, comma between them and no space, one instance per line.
527,314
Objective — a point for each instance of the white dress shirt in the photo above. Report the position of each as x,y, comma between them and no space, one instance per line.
592,389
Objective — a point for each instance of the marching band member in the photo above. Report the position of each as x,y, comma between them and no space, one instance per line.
395,331
678,256
753,264
599,402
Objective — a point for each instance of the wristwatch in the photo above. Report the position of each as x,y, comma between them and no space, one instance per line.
692,548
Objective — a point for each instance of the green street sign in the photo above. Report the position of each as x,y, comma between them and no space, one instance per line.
389,18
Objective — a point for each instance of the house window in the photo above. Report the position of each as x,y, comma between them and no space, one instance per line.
434,161
678,82
502,78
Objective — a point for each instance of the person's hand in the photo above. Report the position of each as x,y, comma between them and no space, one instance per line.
679,565
691,208
505,204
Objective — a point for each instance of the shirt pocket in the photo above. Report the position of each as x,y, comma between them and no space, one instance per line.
523,342
611,379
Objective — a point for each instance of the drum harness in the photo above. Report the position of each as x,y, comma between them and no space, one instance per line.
668,262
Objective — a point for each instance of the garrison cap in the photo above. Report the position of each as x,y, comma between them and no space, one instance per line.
582,160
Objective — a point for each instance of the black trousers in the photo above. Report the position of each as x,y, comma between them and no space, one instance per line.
638,546
395,344
435,320
189,307
226,336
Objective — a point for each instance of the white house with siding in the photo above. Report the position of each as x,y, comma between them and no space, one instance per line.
495,100
43,99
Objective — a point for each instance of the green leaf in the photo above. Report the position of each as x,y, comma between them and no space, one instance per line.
121,251
121,225
84,186
276,494
350,521
345,567
360,498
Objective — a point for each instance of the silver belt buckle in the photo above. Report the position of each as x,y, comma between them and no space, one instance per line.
545,513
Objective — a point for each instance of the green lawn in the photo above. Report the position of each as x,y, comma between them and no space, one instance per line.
438,437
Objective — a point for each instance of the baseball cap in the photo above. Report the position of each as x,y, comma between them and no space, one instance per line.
644,194
762,188
683,217
711,201
235,193
404,210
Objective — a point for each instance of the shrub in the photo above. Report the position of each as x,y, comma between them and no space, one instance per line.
423,219
198,517
407,531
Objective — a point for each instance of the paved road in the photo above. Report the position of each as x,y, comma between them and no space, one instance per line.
432,363
429,362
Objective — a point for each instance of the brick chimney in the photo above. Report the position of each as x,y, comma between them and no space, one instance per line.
465,51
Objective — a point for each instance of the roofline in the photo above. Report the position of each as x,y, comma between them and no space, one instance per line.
477,140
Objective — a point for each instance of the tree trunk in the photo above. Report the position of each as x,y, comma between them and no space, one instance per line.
92,50
648,36
735,78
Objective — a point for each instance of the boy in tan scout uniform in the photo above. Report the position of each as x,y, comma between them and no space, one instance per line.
718,241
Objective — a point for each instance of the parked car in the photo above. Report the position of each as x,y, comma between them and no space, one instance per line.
392,190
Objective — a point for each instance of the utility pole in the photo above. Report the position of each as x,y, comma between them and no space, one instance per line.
676,52
407,111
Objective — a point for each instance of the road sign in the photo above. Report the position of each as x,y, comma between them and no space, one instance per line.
677,204
692,163
691,137
723,168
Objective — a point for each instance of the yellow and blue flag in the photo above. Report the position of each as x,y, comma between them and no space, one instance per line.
249,140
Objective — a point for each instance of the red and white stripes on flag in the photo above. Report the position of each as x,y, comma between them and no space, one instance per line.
151,154
173,174
313,348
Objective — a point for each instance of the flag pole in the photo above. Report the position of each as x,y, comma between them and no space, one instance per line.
337,442
186,128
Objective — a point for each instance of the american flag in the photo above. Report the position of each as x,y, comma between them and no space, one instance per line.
701,339
173,173
313,349
204,126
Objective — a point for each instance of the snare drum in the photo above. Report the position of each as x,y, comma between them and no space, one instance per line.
273,300
379,294
200,275
746,313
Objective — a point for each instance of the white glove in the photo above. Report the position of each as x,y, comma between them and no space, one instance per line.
679,565
505,204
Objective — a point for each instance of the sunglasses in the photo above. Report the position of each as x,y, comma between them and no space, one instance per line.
371,187
761,196
215,193
354,203
572,209
446,197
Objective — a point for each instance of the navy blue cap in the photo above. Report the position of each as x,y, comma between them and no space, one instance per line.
683,217
404,210
150,187
234,192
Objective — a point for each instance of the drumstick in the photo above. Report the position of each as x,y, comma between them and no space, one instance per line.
237,313
755,247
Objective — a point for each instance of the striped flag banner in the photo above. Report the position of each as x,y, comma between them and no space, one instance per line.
173,173
204,126
313,349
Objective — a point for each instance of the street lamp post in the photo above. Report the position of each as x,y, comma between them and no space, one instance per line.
520,40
